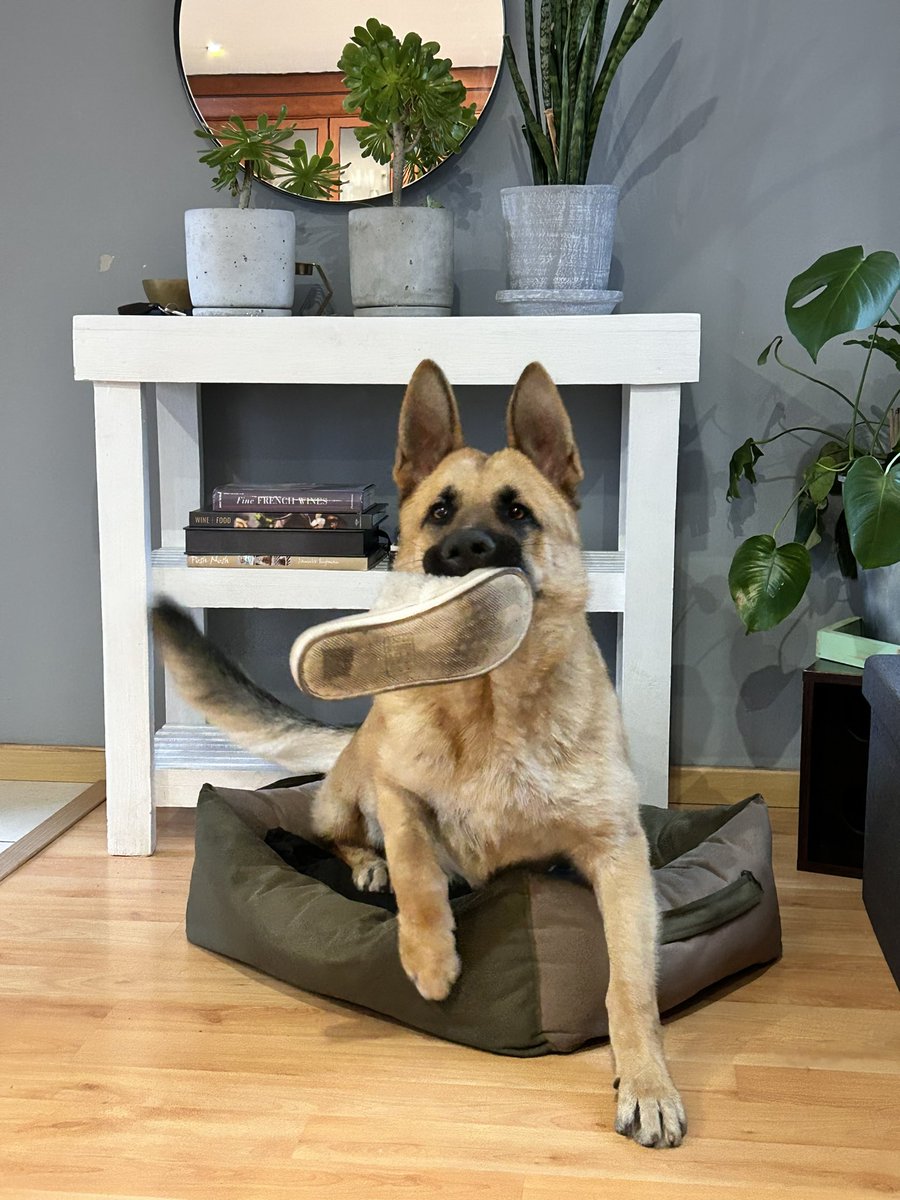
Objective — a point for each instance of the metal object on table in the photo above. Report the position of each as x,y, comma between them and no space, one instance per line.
307,268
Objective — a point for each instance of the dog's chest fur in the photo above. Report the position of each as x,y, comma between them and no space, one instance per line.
507,764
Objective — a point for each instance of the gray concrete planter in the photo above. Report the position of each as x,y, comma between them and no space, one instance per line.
240,259
559,236
401,262
880,595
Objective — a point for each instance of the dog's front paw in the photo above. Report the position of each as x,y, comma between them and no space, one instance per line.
371,876
430,960
650,1111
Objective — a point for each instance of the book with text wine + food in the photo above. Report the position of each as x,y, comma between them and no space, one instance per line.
220,519
293,497
281,562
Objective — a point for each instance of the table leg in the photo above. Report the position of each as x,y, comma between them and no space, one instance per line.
123,503
647,494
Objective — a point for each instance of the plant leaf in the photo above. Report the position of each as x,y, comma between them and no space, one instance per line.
764,354
845,558
808,530
854,292
888,346
742,463
820,475
767,581
872,507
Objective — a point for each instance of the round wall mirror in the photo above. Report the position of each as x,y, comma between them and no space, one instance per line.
239,61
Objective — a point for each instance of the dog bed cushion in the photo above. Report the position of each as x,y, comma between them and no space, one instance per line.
535,970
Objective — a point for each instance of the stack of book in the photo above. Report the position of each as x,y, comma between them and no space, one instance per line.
304,527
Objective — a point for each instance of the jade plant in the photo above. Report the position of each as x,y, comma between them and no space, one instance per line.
856,468
414,110
570,81
242,153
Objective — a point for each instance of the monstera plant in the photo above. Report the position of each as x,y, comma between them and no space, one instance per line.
856,465
414,110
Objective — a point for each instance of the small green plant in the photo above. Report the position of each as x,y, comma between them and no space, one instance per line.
858,465
413,108
242,153
569,82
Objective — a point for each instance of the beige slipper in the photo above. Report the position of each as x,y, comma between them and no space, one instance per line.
423,630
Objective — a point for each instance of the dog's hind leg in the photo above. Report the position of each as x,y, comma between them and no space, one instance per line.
649,1109
425,919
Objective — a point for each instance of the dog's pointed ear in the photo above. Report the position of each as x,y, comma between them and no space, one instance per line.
429,427
538,425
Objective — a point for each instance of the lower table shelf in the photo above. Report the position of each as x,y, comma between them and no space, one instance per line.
271,587
187,756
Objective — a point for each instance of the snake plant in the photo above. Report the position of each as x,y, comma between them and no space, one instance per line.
569,80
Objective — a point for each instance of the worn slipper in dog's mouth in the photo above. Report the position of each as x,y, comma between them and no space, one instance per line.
423,630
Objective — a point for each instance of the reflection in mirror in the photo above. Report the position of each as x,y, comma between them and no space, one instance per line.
241,60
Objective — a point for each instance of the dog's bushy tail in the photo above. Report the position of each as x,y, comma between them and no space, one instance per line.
222,693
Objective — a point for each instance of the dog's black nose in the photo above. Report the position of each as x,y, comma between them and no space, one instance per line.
466,550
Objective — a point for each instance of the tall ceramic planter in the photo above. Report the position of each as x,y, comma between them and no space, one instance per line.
880,594
401,262
560,236
241,260
559,241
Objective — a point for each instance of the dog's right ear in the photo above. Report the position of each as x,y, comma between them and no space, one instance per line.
429,427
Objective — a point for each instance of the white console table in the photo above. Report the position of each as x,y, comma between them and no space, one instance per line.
151,762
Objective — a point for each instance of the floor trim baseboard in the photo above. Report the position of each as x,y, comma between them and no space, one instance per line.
687,785
727,785
52,764
48,831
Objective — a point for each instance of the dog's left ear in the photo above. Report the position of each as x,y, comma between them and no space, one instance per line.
429,427
538,425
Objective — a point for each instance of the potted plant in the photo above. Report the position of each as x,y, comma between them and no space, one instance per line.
243,259
855,467
560,230
401,259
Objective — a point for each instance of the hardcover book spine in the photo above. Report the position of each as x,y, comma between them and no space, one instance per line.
280,562
202,518
241,499
344,543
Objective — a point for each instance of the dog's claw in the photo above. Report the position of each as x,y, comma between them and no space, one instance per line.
652,1121
371,876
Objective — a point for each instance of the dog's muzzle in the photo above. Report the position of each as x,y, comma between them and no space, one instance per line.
465,550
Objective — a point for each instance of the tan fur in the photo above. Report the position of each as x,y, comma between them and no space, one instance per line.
525,764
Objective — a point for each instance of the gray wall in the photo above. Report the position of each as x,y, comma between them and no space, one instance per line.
748,139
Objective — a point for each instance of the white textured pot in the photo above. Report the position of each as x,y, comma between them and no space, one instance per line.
401,261
880,594
560,235
240,258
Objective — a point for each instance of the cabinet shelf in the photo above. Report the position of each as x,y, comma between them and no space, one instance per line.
274,587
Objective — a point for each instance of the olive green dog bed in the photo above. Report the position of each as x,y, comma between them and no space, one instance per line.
535,970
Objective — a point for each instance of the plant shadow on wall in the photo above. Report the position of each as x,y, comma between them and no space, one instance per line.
635,122
856,467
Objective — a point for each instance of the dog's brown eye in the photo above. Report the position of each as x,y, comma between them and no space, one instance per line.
439,512
517,512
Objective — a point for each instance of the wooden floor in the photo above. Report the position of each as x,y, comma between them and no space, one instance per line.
135,1065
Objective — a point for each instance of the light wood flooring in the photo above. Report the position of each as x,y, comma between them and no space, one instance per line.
134,1065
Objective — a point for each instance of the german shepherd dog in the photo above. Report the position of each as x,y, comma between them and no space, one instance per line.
523,765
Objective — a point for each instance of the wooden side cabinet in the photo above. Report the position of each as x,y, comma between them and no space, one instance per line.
834,760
